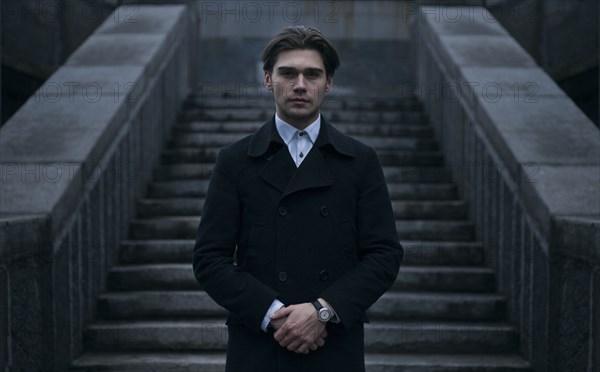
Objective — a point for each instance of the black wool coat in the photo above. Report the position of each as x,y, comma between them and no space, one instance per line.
270,230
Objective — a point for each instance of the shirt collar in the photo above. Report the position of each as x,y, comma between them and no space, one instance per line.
287,131
267,134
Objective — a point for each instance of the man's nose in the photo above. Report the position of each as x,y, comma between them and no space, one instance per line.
300,83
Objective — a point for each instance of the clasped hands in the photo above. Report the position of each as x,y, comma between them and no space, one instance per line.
298,329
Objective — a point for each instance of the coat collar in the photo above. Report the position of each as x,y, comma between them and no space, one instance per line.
328,135
280,170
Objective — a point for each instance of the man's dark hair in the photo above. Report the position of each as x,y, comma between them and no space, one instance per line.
300,37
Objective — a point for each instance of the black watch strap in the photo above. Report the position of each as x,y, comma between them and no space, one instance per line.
317,305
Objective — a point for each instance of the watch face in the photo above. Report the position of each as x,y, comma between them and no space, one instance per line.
324,315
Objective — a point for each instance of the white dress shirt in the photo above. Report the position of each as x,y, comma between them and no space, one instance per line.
299,142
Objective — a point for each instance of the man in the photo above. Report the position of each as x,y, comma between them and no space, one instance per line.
297,236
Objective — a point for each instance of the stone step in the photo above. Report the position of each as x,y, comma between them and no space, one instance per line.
156,251
392,305
440,306
377,142
191,154
445,363
442,253
380,337
177,189
430,209
180,276
248,127
397,174
416,253
184,227
440,337
334,116
182,154
419,209
434,230
166,361
154,361
418,174
398,191
164,228
445,278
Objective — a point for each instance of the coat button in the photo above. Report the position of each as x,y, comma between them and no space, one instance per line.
282,211
282,276
324,275
324,211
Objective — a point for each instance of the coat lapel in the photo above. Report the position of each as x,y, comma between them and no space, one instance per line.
280,170
279,166
312,173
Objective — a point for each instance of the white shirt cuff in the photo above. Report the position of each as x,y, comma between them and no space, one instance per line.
276,305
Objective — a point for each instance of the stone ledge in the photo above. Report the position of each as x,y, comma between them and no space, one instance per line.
582,234
90,82
52,189
551,131
73,119
546,133
460,20
483,51
76,130
558,192
21,236
122,50
147,19
521,84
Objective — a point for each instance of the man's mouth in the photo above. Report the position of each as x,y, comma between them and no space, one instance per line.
299,100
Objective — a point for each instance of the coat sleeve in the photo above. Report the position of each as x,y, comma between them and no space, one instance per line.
379,250
239,292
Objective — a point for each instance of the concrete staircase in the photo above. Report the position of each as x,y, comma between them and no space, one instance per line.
443,313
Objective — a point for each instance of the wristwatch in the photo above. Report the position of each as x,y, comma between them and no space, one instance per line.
323,313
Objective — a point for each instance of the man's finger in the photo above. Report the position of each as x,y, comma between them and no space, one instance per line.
283,312
280,337
313,347
320,342
294,345
302,350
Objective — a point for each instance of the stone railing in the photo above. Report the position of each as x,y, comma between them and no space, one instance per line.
528,162
74,159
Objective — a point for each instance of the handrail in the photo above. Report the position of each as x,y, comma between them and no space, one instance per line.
528,162
73,160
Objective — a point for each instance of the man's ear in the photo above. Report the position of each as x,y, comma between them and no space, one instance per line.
329,83
267,80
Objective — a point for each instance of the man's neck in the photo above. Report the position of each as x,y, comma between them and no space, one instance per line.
299,124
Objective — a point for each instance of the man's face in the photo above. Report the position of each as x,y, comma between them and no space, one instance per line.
299,84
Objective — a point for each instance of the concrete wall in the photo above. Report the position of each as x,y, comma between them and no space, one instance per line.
37,37
528,162
372,38
561,35
74,159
